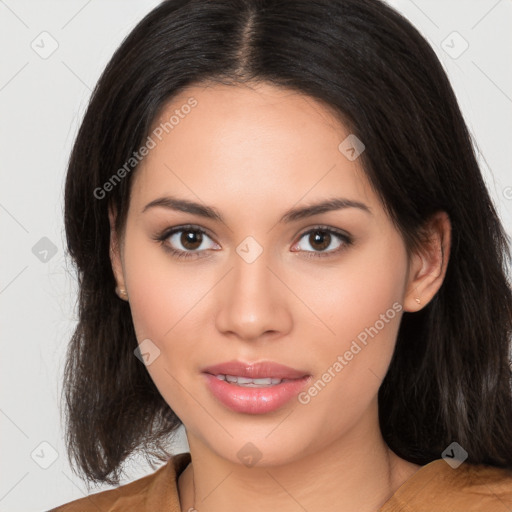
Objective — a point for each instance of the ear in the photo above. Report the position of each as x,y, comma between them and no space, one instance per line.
115,254
428,263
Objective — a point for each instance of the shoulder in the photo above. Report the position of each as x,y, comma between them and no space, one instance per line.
147,493
437,487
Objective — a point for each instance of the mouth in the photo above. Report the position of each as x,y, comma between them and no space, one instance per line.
254,371
254,388
251,383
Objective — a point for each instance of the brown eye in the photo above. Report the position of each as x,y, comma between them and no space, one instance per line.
319,240
323,241
186,242
191,239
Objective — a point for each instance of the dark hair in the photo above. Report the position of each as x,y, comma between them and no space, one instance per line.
449,377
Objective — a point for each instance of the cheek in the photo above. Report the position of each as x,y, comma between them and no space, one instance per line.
163,301
161,293
354,293
167,303
361,303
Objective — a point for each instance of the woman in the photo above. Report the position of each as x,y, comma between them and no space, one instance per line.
285,244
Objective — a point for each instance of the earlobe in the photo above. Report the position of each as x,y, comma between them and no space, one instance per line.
429,263
115,256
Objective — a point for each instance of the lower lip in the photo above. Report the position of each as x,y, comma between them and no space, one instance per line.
255,400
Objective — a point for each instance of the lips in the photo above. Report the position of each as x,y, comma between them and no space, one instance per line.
261,370
245,388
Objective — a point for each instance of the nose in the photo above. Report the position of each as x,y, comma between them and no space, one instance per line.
253,301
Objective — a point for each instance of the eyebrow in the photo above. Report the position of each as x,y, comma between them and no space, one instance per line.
294,214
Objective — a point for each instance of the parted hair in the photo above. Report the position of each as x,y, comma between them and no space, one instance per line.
450,375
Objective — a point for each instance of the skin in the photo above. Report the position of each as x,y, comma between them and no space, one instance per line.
253,152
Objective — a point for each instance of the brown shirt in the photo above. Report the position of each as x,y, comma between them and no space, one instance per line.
435,487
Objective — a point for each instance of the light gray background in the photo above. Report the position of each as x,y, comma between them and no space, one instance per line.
42,101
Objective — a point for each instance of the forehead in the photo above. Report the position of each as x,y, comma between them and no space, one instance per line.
247,142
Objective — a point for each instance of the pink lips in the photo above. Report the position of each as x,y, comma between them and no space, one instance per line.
255,400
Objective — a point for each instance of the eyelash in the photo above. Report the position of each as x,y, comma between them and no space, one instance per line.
179,254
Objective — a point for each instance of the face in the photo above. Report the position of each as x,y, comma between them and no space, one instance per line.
320,293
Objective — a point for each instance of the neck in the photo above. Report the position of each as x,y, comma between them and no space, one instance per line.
356,472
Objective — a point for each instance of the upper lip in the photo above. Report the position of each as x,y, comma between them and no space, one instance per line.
258,370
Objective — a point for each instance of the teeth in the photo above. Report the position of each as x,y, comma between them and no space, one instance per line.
250,383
